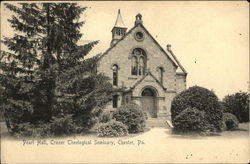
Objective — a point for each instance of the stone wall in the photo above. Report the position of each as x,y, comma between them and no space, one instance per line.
120,54
180,82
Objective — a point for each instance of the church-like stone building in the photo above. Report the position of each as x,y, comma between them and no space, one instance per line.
146,73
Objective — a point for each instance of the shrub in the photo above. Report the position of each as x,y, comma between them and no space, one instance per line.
145,114
30,130
23,129
202,99
191,119
112,128
238,104
132,116
230,121
105,116
62,125
58,126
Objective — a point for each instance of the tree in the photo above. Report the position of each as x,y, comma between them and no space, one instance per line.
83,93
44,62
238,104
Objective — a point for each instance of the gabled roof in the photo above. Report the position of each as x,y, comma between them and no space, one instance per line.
143,77
117,42
173,58
177,61
119,22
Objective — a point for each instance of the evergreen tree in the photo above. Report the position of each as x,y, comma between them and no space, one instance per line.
44,62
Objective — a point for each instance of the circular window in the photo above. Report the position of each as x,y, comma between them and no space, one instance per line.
139,36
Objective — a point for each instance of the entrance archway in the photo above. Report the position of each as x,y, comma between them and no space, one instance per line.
148,102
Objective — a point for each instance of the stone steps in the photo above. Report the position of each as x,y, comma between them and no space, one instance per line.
157,122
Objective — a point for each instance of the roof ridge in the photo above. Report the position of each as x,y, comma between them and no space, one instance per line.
144,76
117,41
175,58
175,61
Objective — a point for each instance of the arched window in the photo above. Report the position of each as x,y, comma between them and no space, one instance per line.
138,62
147,92
160,70
115,75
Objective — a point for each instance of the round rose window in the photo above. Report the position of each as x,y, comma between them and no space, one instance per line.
139,36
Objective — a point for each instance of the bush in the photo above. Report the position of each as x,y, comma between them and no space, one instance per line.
132,116
62,125
230,121
23,130
112,128
201,99
58,126
30,130
192,120
145,114
238,104
105,116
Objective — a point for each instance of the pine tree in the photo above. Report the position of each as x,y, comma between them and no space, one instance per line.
44,62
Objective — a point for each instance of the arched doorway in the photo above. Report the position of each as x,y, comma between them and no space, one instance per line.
148,102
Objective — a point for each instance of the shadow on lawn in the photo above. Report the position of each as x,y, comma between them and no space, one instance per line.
238,133
88,135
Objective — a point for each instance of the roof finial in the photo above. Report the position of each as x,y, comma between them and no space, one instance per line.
138,19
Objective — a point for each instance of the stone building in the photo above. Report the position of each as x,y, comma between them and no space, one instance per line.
146,73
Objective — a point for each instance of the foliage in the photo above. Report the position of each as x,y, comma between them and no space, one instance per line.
202,99
191,120
131,115
145,114
58,126
105,116
43,75
112,128
238,104
62,125
230,121
83,96
23,130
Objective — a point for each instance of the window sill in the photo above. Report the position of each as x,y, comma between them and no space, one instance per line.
133,77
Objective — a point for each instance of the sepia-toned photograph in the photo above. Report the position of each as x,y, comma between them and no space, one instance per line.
124,82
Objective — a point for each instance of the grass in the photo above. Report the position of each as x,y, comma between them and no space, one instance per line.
243,130
90,134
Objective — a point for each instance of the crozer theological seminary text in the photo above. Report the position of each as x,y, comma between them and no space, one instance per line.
82,142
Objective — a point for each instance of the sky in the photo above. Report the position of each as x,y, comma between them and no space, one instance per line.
210,39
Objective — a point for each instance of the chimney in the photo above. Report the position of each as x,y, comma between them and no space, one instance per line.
169,47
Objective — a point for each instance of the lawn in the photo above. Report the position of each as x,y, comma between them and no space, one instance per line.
157,145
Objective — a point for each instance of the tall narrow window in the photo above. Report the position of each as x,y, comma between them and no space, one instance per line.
115,101
161,70
134,65
138,62
115,75
141,66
